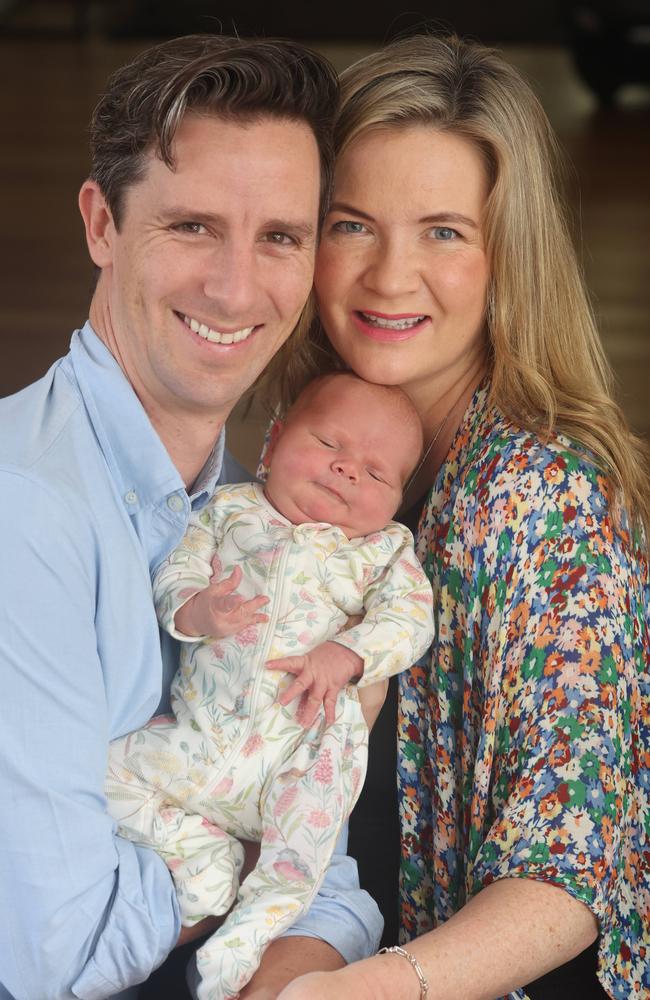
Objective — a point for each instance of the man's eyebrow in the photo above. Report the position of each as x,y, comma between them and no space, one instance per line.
182,213
437,219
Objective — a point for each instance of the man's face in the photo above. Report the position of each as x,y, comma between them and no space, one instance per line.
212,263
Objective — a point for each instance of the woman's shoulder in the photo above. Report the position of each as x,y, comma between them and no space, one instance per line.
509,461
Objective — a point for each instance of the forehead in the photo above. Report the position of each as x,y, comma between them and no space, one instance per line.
409,166
270,164
364,413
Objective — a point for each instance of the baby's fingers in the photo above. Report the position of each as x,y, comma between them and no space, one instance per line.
295,690
330,707
220,588
254,605
290,664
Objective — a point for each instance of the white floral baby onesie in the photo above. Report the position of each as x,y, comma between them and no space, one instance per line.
232,762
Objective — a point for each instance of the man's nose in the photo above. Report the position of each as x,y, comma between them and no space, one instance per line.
346,467
231,279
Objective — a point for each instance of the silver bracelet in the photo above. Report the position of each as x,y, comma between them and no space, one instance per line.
395,950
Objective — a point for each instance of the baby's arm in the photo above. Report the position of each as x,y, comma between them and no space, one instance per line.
396,630
192,598
320,675
218,610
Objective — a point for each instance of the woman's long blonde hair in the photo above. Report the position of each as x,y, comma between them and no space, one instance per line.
548,370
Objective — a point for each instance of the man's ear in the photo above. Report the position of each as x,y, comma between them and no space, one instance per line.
98,221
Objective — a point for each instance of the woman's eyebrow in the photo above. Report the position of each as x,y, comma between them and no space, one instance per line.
441,217
342,206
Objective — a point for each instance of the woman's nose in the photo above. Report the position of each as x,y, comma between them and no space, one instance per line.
392,271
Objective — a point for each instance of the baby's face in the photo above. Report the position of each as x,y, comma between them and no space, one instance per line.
342,459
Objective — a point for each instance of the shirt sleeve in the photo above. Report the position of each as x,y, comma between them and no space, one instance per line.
342,913
397,627
564,702
82,912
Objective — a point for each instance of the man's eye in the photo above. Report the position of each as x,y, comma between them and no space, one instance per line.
280,239
191,227
349,227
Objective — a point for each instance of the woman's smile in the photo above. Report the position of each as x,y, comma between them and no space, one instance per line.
384,327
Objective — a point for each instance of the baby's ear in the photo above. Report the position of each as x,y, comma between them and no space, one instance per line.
274,436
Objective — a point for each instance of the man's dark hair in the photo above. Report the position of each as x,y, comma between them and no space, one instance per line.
211,75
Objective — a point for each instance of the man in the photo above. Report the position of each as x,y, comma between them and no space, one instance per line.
211,160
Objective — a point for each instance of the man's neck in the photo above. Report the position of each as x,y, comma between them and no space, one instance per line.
189,437
189,440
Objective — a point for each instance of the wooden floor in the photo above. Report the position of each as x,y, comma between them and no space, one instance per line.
47,93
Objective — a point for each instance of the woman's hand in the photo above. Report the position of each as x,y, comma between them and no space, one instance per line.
376,978
327,986
371,699
314,986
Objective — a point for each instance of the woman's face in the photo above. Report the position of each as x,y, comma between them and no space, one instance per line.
402,272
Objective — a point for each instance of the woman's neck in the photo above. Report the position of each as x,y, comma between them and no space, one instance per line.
441,418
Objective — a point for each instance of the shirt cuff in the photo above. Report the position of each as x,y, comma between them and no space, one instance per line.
139,931
343,914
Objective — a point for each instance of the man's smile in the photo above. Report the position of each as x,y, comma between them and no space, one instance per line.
216,336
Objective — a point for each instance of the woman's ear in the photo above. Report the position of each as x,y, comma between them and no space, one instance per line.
98,222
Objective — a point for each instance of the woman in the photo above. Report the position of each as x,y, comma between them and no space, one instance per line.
446,267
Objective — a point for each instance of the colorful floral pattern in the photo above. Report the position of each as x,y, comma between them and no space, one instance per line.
524,738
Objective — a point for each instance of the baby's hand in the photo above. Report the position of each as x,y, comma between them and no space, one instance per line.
320,675
218,611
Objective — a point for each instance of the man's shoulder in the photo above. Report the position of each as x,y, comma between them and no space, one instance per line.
33,420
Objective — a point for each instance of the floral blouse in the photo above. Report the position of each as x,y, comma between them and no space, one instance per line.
524,736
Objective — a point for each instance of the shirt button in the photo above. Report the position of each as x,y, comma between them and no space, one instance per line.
175,503
131,497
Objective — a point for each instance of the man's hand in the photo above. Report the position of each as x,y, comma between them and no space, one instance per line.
320,675
218,611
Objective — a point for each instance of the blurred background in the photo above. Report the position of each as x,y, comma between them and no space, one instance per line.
589,63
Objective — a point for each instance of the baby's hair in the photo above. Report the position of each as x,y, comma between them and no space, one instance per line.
394,396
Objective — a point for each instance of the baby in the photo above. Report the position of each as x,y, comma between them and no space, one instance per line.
243,756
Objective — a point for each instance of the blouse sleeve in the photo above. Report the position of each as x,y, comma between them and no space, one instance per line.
563,629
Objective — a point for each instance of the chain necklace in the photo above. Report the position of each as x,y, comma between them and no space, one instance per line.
427,452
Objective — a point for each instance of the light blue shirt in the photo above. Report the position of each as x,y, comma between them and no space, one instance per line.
90,503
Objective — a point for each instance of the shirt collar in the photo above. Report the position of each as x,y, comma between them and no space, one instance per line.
136,457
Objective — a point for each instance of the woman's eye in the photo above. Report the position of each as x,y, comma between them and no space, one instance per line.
351,228
444,233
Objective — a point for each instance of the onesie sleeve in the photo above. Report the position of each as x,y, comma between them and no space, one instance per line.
398,624
188,569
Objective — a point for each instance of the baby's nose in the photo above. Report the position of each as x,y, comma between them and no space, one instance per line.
347,468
